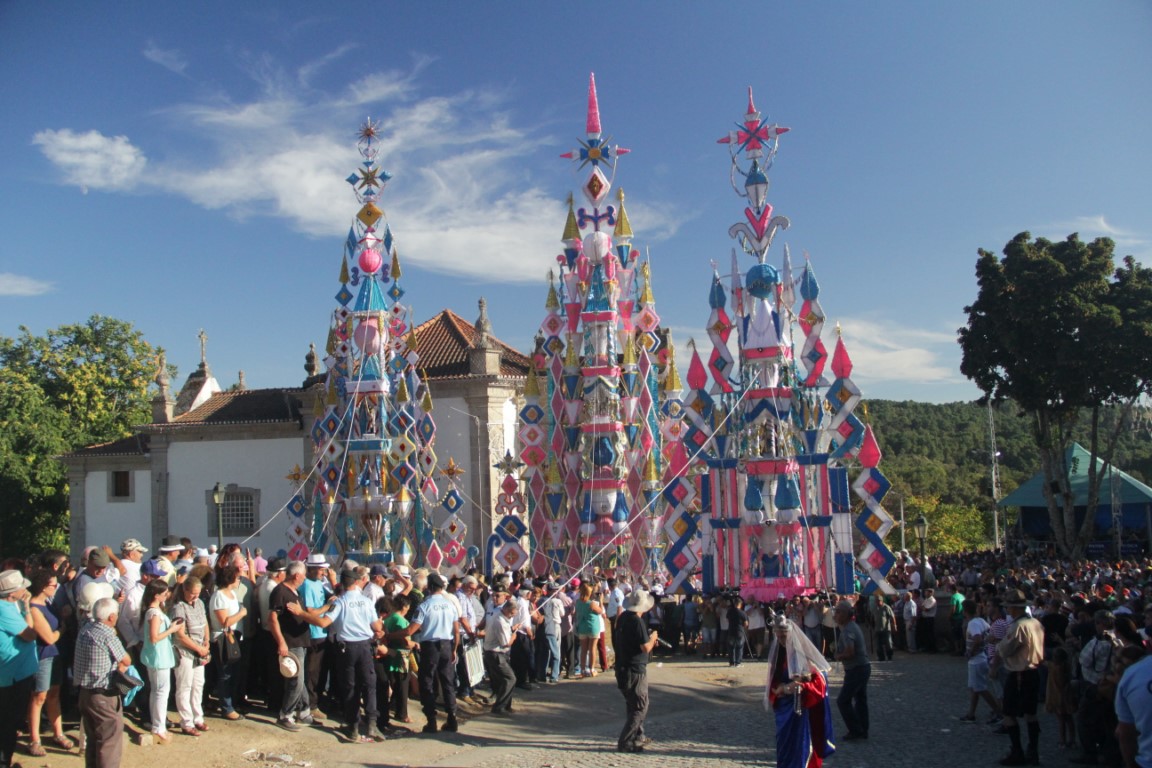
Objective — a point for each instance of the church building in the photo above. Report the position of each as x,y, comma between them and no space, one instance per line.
254,442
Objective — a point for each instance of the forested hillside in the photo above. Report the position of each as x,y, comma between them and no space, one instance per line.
937,457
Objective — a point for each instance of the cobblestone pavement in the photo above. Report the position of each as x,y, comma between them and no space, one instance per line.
703,713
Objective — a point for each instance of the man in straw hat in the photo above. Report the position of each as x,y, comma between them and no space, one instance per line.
797,694
1021,652
634,644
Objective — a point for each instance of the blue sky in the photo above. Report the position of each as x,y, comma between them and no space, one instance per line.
182,166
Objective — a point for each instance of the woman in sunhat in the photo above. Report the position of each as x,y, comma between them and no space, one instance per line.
18,662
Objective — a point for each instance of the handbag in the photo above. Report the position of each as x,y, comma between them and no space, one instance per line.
125,682
229,648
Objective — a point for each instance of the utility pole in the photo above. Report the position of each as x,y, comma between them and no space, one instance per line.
994,455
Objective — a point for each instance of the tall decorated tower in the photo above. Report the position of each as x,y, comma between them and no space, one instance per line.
590,429
775,446
373,432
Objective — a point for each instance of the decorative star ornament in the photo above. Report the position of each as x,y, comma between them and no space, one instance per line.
453,470
509,465
369,132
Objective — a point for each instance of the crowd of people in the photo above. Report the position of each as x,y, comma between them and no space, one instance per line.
224,633
347,645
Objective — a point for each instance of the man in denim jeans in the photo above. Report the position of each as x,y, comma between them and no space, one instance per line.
853,654
553,609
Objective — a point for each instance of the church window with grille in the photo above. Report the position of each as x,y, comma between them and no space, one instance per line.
240,511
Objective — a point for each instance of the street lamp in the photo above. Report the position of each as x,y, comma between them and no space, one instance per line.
218,494
920,525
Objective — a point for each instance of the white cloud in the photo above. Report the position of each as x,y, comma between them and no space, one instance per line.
459,199
882,352
1095,226
307,71
170,59
21,285
92,160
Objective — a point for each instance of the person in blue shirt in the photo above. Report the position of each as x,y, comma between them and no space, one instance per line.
314,594
1134,714
437,628
353,618
18,659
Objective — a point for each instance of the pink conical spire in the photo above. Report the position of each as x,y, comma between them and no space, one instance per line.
751,106
869,454
593,107
841,363
697,377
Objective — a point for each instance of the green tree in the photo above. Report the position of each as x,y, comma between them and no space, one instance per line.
77,385
1061,331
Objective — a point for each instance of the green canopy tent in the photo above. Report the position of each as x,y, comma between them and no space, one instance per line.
1133,498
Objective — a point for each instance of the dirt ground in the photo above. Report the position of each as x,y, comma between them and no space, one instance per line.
257,741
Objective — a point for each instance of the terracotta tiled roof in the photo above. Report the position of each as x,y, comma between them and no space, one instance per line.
443,343
246,406
134,445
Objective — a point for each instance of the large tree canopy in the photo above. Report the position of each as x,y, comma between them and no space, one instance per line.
76,385
1060,329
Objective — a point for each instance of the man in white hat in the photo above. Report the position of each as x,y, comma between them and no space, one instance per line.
131,558
170,550
634,644
317,588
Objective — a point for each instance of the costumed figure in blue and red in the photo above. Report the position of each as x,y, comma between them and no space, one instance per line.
797,693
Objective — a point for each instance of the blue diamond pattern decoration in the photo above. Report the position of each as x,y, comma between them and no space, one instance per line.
400,422
511,529
344,296
296,506
531,414
426,429
403,473
395,292
453,501
398,363
332,475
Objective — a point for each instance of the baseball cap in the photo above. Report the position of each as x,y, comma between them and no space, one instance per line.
436,581
378,570
99,558
132,545
288,666
151,568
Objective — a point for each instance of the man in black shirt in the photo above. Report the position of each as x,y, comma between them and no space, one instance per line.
634,643
288,623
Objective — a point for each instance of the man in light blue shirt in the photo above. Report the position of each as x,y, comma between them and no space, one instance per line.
314,595
1134,713
354,619
437,627
469,625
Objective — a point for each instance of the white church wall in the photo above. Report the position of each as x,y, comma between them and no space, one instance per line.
111,521
454,438
195,467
